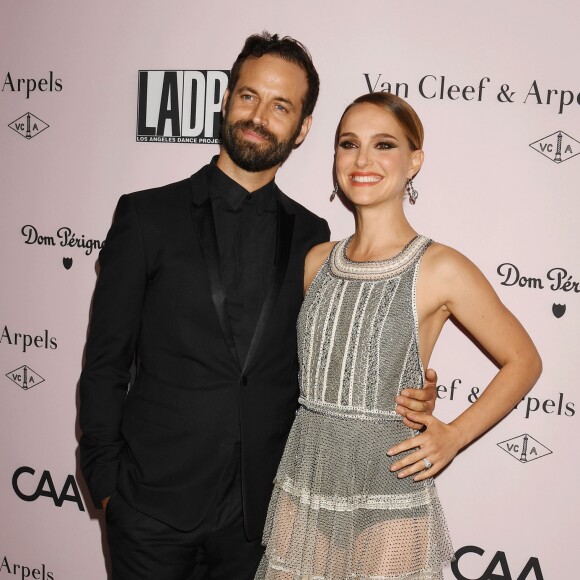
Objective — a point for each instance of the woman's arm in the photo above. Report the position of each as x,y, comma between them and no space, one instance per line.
467,295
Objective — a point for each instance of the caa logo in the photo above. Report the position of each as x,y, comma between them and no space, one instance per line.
497,569
180,106
22,480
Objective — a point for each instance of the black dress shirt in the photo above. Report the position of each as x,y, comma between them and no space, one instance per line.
246,234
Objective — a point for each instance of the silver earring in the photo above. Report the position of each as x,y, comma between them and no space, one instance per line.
411,192
334,192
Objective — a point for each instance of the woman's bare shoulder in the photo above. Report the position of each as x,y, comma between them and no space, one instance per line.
452,277
314,260
446,262
319,253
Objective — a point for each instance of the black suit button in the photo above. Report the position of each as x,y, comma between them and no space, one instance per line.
244,381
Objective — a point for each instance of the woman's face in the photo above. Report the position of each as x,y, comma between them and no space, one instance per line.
373,157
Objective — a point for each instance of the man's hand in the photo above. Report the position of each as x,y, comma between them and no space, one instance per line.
418,400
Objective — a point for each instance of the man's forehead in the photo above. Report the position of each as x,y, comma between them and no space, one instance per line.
271,64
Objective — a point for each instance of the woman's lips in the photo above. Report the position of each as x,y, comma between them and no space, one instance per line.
364,178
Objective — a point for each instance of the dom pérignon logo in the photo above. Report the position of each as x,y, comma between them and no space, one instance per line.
524,448
557,147
28,125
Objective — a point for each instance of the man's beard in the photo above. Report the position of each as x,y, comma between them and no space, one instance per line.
253,156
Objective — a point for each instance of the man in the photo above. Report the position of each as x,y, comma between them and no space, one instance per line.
200,285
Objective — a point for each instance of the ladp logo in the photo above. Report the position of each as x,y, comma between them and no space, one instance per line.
497,569
22,480
28,125
180,106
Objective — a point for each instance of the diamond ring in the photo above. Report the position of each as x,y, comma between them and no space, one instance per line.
427,463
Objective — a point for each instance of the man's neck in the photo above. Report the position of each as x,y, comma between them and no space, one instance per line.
250,181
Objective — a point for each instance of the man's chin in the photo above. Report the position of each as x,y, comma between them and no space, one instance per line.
252,168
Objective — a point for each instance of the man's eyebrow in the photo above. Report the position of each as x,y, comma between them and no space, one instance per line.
249,89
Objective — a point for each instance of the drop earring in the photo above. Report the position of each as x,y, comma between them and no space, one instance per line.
334,192
411,192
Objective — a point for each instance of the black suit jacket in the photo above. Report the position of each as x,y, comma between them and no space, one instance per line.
159,300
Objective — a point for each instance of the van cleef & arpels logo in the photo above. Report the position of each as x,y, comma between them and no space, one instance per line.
557,147
524,448
476,89
28,125
25,377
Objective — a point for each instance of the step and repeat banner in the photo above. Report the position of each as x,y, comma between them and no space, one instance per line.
100,99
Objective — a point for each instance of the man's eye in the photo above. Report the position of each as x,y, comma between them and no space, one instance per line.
281,108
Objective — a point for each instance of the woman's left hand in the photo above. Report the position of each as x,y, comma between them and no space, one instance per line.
438,444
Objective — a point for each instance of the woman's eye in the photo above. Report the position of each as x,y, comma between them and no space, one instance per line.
385,145
347,145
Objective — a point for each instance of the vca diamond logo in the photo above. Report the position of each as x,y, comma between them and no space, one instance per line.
524,448
28,125
557,147
25,377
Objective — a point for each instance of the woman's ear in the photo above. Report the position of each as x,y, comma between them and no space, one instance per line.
417,157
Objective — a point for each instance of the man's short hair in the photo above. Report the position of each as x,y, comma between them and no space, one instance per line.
286,48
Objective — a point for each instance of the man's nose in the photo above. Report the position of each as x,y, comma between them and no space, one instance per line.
260,115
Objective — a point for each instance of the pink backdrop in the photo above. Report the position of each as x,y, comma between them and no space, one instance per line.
497,87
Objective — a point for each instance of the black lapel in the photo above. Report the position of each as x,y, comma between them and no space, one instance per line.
284,231
205,229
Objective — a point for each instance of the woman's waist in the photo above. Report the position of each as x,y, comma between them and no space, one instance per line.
346,411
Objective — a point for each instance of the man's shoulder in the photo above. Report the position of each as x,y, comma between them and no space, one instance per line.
162,195
293,206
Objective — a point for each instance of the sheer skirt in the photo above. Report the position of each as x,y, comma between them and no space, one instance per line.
337,512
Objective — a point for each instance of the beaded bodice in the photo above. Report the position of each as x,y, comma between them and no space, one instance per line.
358,334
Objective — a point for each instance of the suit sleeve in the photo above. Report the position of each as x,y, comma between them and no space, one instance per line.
323,231
111,344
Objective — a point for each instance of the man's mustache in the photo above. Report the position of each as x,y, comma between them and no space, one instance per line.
257,129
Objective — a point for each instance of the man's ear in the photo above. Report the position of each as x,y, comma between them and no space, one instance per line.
225,101
306,124
417,158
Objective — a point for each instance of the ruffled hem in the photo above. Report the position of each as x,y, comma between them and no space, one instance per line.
275,570
354,502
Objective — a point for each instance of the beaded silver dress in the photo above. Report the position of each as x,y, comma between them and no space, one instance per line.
337,512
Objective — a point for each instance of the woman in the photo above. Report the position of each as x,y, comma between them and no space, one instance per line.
349,502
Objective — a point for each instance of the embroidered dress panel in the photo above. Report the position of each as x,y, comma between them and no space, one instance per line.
337,511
